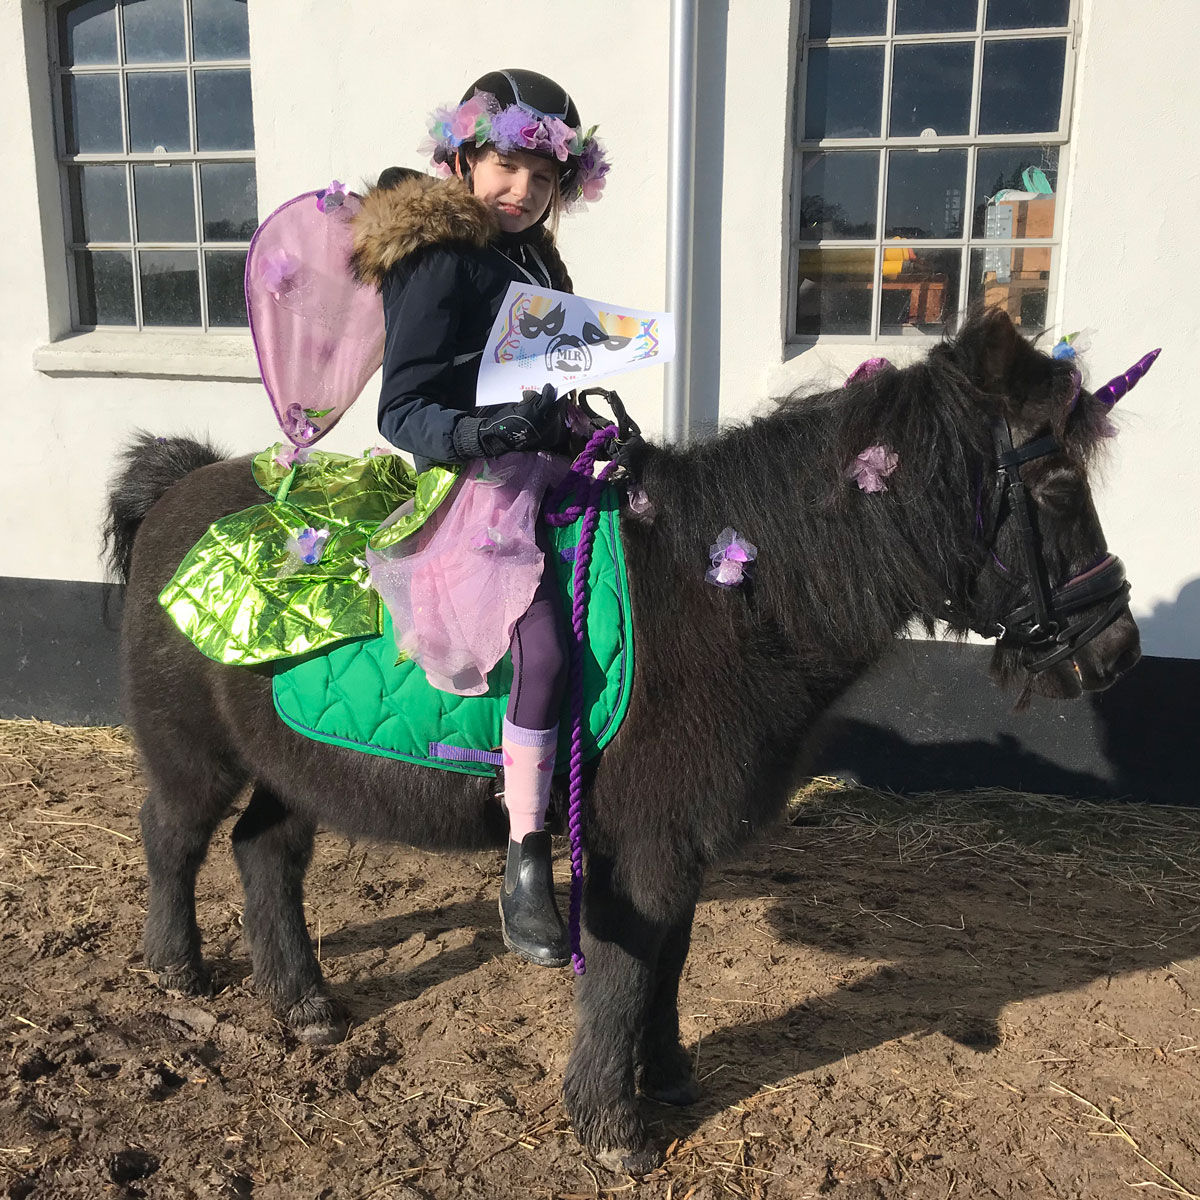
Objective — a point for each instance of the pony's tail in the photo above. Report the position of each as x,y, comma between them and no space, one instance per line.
150,465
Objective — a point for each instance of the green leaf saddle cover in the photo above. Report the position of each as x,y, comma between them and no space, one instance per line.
289,576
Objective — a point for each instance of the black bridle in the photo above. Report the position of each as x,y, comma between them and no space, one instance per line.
1048,622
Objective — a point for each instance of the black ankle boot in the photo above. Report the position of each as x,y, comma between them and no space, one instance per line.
529,916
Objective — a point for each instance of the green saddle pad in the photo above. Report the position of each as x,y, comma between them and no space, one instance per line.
357,695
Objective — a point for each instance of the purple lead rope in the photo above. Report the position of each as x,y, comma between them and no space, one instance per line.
587,488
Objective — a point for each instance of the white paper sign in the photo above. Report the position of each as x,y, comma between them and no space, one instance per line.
541,336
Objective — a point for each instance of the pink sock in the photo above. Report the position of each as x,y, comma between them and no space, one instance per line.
528,768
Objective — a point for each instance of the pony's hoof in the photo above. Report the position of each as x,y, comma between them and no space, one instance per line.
631,1162
187,979
323,1033
317,1021
680,1094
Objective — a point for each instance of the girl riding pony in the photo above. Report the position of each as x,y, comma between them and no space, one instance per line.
472,583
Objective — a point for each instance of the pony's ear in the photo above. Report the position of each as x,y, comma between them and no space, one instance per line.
993,346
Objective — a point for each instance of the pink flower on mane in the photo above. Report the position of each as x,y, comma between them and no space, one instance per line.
870,468
730,555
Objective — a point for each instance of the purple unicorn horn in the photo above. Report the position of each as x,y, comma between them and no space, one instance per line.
1116,387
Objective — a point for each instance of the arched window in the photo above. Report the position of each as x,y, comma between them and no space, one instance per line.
156,146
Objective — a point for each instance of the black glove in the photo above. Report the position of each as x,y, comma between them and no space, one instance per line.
534,424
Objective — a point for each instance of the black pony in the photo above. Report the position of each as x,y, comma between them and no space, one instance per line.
729,681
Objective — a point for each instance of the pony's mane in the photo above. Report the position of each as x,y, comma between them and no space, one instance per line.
839,568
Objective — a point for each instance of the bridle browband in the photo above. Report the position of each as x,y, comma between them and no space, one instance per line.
1044,622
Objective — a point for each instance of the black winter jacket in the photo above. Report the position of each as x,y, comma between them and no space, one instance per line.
443,268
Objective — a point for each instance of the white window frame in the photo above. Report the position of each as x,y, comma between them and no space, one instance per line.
130,159
969,141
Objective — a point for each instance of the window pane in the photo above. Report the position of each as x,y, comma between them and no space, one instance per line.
1015,190
92,112
224,118
226,272
104,281
925,193
99,204
919,292
845,18
158,111
844,92
229,201
170,287
833,292
165,203
87,33
936,16
838,194
931,89
1022,85
219,29
1026,14
1018,280
153,31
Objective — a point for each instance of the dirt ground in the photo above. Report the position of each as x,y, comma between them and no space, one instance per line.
968,996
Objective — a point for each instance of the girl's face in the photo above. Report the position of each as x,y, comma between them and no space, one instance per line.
516,186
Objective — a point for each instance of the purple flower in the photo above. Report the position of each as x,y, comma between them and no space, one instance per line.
297,425
308,545
289,456
639,503
277,271
507,126
731,556
560,136
866,369
593,167
592,189
870,468
331,197
531,135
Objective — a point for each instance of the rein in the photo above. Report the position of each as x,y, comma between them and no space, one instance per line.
1043,622
587,489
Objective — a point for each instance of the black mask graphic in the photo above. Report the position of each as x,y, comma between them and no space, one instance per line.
595,336
550,324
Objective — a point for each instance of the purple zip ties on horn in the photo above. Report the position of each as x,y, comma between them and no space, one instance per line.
1116,387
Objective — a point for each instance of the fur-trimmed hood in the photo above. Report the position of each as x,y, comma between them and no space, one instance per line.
418,211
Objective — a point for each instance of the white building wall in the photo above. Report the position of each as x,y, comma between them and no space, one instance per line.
342,91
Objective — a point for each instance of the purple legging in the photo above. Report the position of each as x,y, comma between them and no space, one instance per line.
539,657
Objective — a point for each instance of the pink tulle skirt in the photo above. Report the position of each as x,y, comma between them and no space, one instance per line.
456,587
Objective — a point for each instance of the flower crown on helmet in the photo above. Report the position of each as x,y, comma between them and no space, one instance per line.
482,120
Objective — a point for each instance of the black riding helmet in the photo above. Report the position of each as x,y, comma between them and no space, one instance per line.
518,110
539,96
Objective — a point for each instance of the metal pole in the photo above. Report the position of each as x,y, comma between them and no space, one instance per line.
680,193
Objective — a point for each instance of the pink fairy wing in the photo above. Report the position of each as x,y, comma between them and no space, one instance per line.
318,332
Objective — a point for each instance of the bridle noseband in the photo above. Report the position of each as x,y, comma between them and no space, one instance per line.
1044,622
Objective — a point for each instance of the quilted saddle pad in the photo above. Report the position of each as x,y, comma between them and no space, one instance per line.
357,695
